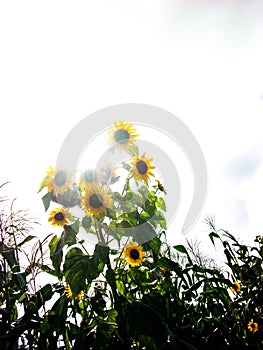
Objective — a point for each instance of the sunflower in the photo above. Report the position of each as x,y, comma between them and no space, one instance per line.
96,200
133,254
141,168
57,181
122,136
160,187
235,288
59,217
252,326
70,295
87,178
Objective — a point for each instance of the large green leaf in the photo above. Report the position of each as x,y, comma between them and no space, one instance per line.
70,233
143,233
44,294
55,248
79,268
154,244
101,253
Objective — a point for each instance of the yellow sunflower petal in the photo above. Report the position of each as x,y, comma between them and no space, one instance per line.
252,326
70,295
141,168
133,254
57,181
235,288
122,136
59,217
96,200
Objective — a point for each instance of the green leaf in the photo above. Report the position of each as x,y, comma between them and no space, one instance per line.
43,184
22,297
101,253
86,222
144,192
9,255
143,233
159,219
123,224
213,235
154,244
126,166
145,216
46,199
44,294
149,207
194,287
133,151
78,268
48,270
69,235
120,286
110,276
20,279
58,314
13,314
27,239
160,203
180,248
56,253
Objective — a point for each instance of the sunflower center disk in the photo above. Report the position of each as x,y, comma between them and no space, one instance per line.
60,178
59,217
89,176
96,201
134,254
121,136
141,167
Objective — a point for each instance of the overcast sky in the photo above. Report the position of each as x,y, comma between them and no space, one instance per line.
201,60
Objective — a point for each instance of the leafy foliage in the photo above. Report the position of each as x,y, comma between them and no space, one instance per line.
172,299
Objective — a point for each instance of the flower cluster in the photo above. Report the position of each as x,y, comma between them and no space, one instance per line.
103,209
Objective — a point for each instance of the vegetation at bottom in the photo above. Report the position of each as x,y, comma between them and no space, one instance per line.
154,296
107,278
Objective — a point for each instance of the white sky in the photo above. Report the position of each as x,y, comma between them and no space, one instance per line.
201,60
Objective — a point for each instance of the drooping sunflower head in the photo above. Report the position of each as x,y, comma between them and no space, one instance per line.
133,254
160,186
122,136
252,326
235,288
70,295
87,178
96,200
57,181
59,217
142,168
